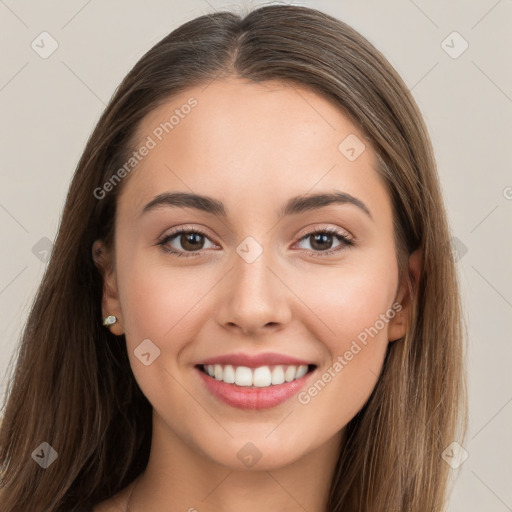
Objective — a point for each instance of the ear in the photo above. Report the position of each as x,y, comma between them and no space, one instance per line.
110,303
406,295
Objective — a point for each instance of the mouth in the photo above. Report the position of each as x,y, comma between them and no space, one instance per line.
258,387
259,377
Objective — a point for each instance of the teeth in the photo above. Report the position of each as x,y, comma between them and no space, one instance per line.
278,375
290,373
301,371
228,374
243,376
260,377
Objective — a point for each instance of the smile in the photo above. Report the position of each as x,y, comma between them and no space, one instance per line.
254,387
260,377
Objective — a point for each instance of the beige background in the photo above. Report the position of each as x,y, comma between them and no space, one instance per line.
50,106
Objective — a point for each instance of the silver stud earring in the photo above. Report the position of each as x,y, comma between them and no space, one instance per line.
109,320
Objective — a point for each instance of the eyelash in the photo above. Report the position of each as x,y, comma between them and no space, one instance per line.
346,242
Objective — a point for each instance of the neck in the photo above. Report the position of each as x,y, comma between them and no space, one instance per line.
179,477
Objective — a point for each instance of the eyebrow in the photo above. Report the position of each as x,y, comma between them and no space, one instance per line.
293,206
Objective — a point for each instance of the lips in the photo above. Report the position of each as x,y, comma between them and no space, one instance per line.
254,381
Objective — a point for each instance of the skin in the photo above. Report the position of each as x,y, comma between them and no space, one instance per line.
253,146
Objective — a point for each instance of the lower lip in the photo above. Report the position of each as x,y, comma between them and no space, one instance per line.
245,397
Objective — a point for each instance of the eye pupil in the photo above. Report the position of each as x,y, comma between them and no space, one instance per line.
320,239
194,239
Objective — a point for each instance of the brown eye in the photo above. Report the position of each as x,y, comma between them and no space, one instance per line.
321,241
191,241
184,241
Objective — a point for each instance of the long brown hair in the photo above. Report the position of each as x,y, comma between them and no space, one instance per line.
73,387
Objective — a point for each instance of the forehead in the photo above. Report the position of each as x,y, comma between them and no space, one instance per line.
239,140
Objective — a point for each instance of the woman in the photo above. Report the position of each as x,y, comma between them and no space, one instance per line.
251,298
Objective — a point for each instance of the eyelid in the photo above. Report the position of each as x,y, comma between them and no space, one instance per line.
327,227
176,231
305,231
347,239
184,228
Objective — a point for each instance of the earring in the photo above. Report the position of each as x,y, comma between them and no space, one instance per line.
109,320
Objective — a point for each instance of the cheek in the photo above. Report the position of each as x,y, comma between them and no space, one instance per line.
353,307
162,305
159,302
348,299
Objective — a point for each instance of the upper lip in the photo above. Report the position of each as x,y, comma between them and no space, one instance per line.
254,360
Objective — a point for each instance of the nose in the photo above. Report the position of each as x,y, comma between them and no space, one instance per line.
255,297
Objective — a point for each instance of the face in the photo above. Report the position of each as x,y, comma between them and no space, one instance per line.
261,288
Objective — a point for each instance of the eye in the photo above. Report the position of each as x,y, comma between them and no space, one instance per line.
322,240
190,240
